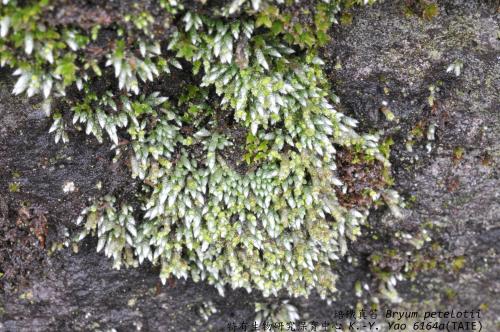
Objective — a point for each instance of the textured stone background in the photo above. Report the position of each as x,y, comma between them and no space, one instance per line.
382,56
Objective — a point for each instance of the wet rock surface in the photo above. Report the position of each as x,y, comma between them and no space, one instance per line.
449,181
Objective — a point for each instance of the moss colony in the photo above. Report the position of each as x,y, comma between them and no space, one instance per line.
250,177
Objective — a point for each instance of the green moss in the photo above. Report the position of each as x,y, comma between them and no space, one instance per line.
275,223
458,263
450,293
430,11
426,9
458,154
346,19
14,187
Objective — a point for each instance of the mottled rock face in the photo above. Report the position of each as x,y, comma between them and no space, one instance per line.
449,180
386,57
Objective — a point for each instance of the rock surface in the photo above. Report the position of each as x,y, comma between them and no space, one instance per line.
382,60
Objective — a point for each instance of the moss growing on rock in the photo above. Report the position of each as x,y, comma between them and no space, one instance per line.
271,214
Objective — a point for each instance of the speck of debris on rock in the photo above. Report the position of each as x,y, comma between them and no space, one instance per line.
69,186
